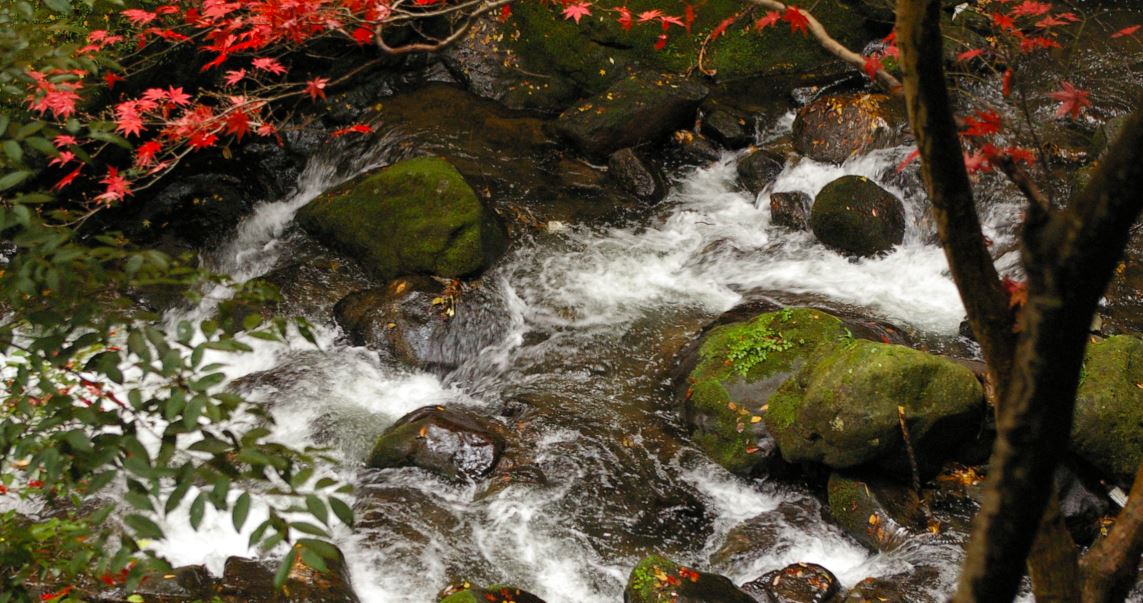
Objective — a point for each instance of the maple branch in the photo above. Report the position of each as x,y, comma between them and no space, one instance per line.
484,8
837,49
1024,182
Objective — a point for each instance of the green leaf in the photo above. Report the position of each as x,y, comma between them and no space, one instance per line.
313,560
317,508
241,511
308,528
60,6
13,178
197,509
343,512
143,527
284,569
13,150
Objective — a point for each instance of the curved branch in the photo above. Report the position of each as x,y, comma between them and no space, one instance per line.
1110,566
834,47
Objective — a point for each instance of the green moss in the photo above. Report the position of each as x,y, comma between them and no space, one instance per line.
593,52
1108,425
642,585
416,216
464,596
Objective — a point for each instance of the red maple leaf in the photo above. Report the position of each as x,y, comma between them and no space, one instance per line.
111,78
968,55
577,11
177,97
873,65
66,180
316,87
1072,100
364,35
649,15
202,140
1126,31
1020,155
505,13
721,28
238,124
689,16
625,21
796,19
767,20
910,158
1006,83
268,64
64,140
1030,8
145,153
138,16
118,186
354,129
127,119
1003,21
983,123
661,42
668,21
234,76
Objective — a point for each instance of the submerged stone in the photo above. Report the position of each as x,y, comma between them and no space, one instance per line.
1108,427
417,216
657,579
878,512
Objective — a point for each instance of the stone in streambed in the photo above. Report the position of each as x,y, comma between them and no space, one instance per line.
635,175
855,216
1108,426
657,579
453,443
790,210
497,593
795,583
758,169
417,216
835,128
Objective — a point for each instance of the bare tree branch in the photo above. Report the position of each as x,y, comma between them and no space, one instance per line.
1110,566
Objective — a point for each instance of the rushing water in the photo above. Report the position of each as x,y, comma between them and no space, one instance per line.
580,325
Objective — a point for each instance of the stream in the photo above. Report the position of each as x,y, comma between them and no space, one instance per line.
570,338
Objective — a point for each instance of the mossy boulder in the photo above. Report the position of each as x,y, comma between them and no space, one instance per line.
640,108
497,593
451,443
739,366
843,410
835,128
878,512
1108,426
657,579
417,216
855,216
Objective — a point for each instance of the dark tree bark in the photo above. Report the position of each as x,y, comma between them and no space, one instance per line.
1068,257
1110,567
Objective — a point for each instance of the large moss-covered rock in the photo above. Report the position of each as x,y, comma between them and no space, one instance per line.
417,216
856,217
843,410
643,107
452,443
739,366
835,128
657,579
1108,425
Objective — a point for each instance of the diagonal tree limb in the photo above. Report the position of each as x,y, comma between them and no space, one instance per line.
1110,566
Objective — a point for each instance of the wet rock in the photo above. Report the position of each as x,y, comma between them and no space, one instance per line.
688,148
635,175
1108,427
497,593
181,584
835,128
766,533
880,513
657,579
421,322
417,216
384,514
315,281
1082,503
854,216
758,169
795,583
641,108
900,588
842,411
252,581
453,443
791,209
200,209
736,370
728,129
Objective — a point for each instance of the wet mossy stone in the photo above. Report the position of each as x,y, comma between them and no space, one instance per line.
453,443
417,216
842,411
835,128
497,593
739,366
657,579
878,512
1108,427
855,216
641,108
790,209
795,583
758,169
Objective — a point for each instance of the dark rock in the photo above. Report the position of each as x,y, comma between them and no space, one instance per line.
791,210
200,209
758,169
417,216
900,588
835,128
452,443
641,108
880,513
739,366
693,149
635,176
856,217
842,410
795,583
1108,427
497,593
727,129
252,581
314,281
1082,504
181,584
657,578
422,323
766,533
